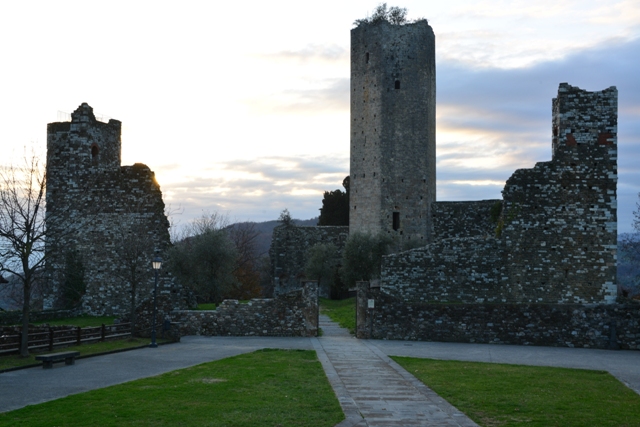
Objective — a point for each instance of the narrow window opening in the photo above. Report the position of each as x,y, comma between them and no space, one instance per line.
397,84
367,57
396,221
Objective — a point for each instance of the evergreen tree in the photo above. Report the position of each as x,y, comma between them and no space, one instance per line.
335,206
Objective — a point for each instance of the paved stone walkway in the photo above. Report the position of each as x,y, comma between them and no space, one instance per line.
367,383
373,390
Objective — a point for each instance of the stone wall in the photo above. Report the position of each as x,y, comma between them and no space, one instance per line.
555,238
293,314
451,270
15,317
603,326
465,219
393,158
110,216
289,249
560,217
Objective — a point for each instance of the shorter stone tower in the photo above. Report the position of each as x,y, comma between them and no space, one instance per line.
104,220
560,218
393,104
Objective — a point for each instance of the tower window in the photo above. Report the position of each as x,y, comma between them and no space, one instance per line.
397,84
95,150
396,221
367,56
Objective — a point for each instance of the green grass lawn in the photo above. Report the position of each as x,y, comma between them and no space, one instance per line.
514,395
265,388
210,306
341,311
14,360
82,321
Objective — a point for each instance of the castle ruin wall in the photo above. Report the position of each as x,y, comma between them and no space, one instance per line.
556,233
291,314
289,249
108,214
464,219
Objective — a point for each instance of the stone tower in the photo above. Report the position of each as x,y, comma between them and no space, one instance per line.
107,217
393,129
560,217
79,148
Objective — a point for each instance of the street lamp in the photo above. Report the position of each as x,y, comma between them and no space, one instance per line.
157,263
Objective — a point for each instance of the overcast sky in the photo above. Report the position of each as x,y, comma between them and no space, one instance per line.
243,107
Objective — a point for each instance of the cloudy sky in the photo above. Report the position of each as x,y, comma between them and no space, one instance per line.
243,107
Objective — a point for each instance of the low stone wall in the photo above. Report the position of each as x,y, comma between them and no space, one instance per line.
294,314
603,326
15,317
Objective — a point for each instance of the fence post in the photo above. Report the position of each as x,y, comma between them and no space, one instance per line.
103,332
79,335
50,339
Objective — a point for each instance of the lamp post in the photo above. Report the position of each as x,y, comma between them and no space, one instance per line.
157,263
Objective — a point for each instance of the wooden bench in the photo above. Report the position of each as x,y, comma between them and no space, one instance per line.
48,360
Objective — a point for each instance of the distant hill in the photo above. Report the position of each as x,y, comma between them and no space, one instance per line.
265,231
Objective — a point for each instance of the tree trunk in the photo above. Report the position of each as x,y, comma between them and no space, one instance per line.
132,316
24,340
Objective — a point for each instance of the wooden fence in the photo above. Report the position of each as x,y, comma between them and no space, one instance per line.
51,338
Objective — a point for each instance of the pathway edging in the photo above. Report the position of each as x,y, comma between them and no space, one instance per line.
373,390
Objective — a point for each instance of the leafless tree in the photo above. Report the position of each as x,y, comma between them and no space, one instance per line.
23,230
246,270
132,249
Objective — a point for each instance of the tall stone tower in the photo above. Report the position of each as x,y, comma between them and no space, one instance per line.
393,130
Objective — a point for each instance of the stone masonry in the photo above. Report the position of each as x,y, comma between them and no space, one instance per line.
291,314
289,250
560,218
465,219
393,97
555,238
603,326
105,212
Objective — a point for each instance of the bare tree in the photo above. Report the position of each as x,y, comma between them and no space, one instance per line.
23,230
132,248
246,270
